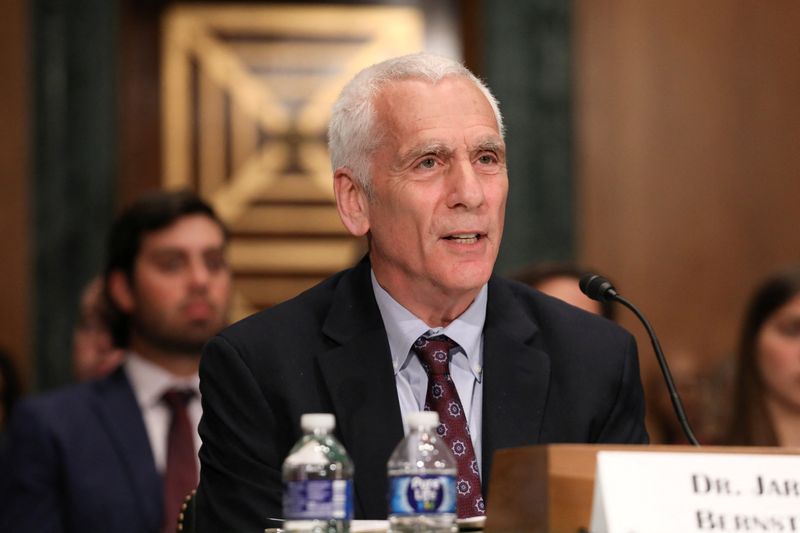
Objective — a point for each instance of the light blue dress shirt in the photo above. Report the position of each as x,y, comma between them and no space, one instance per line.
466,363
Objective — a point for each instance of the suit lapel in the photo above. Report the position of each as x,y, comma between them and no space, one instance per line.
119,413
360,379
516,376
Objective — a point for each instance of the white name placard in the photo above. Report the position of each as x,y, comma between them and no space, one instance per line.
658,492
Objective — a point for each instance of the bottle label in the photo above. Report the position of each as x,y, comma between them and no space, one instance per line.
422,494
314,499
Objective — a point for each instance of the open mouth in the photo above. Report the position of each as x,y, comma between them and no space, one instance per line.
465,238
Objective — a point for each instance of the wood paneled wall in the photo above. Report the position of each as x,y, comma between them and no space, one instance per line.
14,164
688,167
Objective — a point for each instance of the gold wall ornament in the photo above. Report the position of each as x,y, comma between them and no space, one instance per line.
246,97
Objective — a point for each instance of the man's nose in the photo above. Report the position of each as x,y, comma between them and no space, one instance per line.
466,185
198,273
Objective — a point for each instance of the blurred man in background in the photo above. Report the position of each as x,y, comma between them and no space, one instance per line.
120,453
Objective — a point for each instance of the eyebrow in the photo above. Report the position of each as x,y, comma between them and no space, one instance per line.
489,145
441,149
436,148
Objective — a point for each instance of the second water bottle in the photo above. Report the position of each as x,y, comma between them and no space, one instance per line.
422,480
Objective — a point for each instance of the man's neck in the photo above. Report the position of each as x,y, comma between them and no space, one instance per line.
176,363
439,316
434,306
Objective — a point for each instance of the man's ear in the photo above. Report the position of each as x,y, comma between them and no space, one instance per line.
119,288
351,201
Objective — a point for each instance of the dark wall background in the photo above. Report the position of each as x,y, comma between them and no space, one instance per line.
73,57
527,65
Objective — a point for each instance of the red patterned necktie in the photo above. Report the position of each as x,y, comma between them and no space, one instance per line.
443,398
181,473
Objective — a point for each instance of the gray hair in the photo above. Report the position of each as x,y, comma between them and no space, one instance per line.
353,132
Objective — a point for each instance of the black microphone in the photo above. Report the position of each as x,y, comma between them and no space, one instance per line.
600,289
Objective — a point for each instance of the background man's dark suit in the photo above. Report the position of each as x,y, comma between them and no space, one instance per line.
551,373
85,444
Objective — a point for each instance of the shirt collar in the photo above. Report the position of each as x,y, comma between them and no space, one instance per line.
403,328
150,381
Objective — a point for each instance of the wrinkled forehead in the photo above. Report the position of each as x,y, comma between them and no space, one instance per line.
418,98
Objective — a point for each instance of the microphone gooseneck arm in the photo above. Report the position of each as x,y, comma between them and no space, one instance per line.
662,362
598,288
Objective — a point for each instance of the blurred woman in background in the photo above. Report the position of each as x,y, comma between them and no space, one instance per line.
766,401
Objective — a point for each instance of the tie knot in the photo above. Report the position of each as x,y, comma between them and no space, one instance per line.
434,352
177,398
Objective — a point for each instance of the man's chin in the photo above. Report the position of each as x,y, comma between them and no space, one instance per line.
183,347
470,276
185,343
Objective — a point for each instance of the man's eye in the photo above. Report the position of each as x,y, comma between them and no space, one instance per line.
487,159
428,162
215,262
170,265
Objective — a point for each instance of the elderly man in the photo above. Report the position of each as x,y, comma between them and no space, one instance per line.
420,168
118,454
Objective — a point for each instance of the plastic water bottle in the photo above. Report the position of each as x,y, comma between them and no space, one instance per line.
422,480
317,480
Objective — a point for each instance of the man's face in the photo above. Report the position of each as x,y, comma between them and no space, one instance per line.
181,286
440,184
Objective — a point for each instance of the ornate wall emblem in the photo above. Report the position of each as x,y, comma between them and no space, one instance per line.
246,97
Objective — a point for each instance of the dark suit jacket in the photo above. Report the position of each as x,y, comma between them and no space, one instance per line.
552,373
79,460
